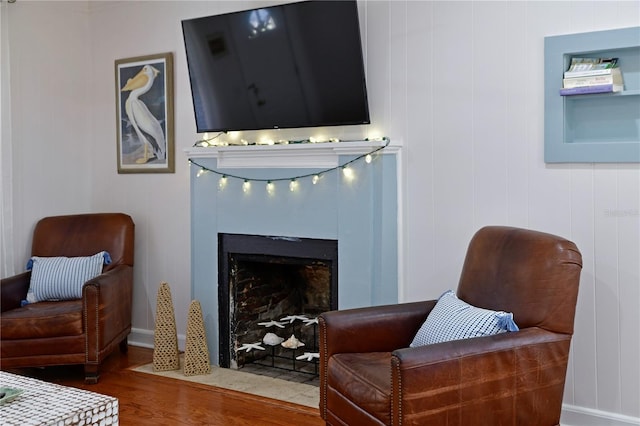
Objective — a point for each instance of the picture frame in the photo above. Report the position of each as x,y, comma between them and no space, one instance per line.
144,114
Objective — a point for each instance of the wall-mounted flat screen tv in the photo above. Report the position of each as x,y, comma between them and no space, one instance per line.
287,66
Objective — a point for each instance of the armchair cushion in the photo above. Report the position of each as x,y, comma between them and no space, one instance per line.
454,319
369,381
43,320
61,277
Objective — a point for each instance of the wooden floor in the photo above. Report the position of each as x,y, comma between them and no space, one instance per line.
152,400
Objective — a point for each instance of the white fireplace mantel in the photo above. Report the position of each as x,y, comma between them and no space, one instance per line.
364,212
302,155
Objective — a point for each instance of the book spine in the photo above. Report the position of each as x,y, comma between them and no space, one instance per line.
588,73
584,90
568,83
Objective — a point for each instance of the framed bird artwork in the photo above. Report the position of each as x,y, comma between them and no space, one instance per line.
144,114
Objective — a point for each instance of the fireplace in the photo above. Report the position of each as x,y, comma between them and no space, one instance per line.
359,215
276,286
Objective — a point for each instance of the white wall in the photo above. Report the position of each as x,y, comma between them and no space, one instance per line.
51,120
460,84
471,86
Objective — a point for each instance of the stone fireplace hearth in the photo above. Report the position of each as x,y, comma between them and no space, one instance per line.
360,214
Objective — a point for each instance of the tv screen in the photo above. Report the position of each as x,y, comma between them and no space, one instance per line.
286,66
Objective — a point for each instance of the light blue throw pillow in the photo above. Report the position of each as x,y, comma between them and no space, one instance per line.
454,319
62,278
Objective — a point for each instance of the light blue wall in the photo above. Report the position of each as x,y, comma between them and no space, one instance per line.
361,214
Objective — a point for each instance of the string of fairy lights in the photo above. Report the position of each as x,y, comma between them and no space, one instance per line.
346,168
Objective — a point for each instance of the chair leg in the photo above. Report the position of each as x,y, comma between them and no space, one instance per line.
91,374
124,346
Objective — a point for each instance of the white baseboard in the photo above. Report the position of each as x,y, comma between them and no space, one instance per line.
573,415
144,338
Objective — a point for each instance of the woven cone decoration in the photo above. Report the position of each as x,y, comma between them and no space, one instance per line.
165,338
196,354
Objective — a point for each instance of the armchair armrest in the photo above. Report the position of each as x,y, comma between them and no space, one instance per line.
431,381
13,290
106,302
371,329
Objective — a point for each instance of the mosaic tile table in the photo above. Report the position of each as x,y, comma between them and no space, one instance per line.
44,403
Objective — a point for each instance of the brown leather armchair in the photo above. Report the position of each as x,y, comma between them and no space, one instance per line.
370,376
83,331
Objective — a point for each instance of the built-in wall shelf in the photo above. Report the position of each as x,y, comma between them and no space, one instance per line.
578,98
595,128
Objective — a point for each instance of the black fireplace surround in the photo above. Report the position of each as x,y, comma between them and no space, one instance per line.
242,257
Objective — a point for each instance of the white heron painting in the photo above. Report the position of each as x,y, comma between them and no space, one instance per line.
145,139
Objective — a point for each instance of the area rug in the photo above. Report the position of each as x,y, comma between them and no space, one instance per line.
269,387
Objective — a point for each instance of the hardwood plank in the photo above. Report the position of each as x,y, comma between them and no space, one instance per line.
153,400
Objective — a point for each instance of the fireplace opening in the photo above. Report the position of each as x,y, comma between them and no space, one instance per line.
270,292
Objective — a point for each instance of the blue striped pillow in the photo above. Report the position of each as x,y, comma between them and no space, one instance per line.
62,278
454,319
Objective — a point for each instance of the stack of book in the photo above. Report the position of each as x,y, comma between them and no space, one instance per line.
592,75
